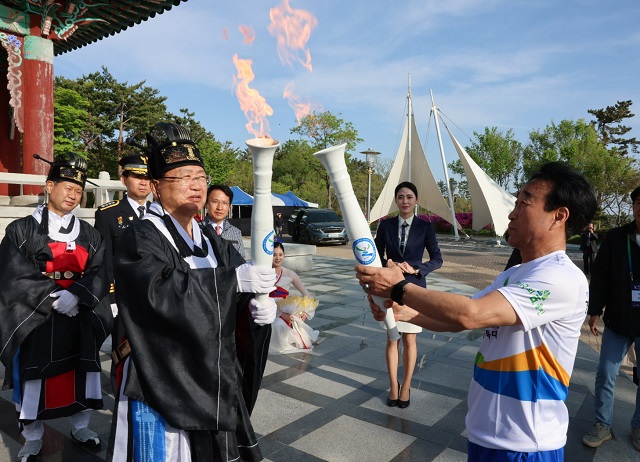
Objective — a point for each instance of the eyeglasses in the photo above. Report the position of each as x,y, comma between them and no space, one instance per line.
217,202
188,179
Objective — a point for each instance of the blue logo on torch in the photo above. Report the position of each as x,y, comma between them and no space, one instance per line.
364,250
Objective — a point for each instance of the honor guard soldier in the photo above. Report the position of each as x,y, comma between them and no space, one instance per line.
113,218
55,311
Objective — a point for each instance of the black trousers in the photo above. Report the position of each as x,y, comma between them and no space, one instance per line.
587,258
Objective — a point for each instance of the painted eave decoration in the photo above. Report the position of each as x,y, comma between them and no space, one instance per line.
71,24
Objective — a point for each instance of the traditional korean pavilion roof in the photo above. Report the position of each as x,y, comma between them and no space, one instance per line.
72,24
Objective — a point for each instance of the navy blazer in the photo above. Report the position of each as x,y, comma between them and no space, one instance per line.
421,237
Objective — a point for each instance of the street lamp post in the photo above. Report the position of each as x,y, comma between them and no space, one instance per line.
370,155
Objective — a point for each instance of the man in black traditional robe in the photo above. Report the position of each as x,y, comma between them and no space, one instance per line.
252,340
177,289
55,311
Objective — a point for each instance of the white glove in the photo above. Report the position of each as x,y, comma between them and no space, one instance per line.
256,279
263,312
65,303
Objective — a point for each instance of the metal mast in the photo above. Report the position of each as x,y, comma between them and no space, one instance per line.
434,110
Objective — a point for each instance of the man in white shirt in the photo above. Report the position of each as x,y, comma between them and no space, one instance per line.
532,315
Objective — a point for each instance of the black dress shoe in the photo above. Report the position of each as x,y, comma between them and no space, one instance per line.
393,402
403,404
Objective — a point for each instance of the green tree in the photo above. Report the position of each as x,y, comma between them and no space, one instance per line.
242,175
116,110
608,123
498,154
219,158
578,144
292,170
325,130
70,111
462,201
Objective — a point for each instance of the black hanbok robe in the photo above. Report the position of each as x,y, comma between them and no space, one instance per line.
252,340
51,343
180,323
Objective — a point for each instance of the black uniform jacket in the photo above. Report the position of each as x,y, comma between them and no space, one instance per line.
112,219
610,286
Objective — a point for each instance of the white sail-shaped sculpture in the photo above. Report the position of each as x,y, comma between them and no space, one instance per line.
491,203
429,195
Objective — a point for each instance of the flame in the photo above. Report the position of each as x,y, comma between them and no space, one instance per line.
300,108
253,105
225,34
292,29
248,33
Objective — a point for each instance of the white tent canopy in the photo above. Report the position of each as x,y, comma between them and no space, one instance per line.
491,203
429,195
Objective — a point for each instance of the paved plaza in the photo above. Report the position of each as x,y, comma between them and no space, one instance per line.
329,404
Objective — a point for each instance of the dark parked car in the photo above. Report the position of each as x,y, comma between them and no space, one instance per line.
315,226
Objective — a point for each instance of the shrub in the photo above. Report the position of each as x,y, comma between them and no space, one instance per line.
441,225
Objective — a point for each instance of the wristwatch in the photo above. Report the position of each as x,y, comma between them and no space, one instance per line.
397,292
417,269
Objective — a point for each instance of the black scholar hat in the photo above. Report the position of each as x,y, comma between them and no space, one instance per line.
68,167
170,147
135,164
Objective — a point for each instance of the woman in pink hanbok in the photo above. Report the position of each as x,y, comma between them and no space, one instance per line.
289,333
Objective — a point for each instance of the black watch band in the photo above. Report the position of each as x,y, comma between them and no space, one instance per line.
397,292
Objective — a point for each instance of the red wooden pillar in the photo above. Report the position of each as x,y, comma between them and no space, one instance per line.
9,148
37,100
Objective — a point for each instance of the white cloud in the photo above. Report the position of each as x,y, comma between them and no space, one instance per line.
496,62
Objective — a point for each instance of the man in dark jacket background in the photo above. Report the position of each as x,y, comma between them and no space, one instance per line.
615,289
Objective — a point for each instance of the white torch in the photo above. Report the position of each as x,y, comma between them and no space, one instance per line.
358,230
262,235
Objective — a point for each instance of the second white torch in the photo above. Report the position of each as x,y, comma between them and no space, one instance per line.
363,247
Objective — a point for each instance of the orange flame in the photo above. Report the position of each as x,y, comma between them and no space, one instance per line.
248,33
253,105
225,34
292,29
300,108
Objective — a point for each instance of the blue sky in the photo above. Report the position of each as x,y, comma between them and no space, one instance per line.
501,63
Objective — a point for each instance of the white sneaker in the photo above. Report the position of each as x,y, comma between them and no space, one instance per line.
85,437
30,451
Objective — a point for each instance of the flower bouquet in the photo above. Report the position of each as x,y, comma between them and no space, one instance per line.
294,335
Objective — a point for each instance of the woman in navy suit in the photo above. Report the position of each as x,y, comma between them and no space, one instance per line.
404,239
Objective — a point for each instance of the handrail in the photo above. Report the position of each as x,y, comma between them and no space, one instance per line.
100,189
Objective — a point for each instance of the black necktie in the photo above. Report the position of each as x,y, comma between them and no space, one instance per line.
141,211
403,236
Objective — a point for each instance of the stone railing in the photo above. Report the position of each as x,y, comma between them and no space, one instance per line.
12,208
102,188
